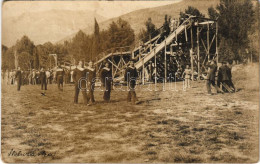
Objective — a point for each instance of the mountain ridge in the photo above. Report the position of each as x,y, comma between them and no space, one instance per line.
156,13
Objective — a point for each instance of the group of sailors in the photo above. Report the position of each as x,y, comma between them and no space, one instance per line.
84,78
33,77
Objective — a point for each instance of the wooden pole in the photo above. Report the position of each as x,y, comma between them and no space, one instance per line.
165,62
186,36
198,51
155,67
191,55
217,40
112,68
191,61
208,42
143,71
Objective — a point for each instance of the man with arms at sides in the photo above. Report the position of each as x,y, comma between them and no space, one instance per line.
43,79
131,77
91,77
59,77
18,76
79,77
211,78
225,78
106,79
229,74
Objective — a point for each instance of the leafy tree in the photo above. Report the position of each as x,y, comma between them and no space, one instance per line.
120,34
235,21
191,11
96,41
148,33
213,14
80,47
22,47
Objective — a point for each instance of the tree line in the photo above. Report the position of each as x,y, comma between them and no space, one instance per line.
237,21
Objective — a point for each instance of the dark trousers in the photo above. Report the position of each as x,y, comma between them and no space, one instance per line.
19,83
211,82
226,87
90,95
107,92
60,82
230,84
43,84
131,96
76,96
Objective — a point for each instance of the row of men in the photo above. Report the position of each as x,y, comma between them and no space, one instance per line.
33,77
84,81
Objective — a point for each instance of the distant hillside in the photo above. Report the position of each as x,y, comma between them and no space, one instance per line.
138,17
61,23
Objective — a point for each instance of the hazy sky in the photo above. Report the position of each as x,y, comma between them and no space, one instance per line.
107,9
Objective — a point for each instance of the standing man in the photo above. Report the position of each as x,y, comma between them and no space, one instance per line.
219,79
18,76
43,79
79,77
33,77
48,76
229,74
211,78
91,78
131,77
59,77
225,78
106,79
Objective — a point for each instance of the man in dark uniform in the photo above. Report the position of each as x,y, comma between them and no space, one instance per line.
59,77
43,79
91,73
18,76
211,78
225,78
130,77
219,80
79,77
229,74
106,79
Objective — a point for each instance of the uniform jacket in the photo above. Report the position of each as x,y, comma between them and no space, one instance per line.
106,73
212,72
131,73
91,73
79,73
18,75
42,75
224,71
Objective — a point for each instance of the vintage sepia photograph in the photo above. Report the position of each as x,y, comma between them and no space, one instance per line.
130,81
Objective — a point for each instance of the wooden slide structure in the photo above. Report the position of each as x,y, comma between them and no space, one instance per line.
162,57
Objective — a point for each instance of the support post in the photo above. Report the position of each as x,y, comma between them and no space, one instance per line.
198,51
217,40
165,62
191,62
143,71
191,55
112,68
186,36
155,67
208,41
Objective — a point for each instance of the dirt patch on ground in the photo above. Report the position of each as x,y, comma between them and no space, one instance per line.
167,126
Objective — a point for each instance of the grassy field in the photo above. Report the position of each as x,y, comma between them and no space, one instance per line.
166,126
